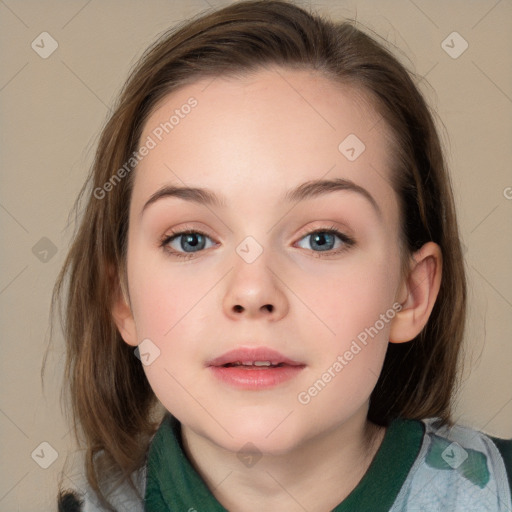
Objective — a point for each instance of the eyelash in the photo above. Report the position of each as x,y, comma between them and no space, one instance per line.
347,241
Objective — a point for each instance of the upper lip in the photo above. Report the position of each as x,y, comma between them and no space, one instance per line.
245,354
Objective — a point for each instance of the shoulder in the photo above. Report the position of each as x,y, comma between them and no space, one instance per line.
497,452
505,448
459,468
79,497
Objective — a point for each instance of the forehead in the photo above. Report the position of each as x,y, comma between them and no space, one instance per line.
254,137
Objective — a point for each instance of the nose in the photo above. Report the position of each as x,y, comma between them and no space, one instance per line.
253,291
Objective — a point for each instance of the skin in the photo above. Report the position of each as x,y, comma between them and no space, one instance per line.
251,140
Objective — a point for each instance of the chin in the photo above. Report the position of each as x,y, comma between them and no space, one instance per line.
259,443
268,433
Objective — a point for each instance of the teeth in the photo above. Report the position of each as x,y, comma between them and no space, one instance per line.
254,363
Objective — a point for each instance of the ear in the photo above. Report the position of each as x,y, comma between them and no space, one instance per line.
418,293
122,313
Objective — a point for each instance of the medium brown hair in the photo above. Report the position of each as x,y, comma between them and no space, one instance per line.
111,400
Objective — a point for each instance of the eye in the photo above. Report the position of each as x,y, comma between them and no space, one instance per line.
327,240
184,244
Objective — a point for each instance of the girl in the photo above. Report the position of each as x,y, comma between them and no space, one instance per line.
266,294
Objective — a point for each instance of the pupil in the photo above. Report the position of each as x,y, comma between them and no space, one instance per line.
190,240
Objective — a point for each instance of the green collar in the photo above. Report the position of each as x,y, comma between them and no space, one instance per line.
173,484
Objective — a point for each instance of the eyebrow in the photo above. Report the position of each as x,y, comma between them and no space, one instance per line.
316,188
307,190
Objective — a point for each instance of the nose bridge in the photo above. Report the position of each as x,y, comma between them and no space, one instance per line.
253,288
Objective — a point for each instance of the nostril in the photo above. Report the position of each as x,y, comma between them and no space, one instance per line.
239,308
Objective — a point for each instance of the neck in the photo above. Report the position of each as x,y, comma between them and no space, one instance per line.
315,476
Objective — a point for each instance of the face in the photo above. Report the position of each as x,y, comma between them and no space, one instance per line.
305,281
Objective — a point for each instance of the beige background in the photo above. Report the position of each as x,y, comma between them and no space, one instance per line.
52,110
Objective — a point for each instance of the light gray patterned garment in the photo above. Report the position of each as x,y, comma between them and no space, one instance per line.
457,470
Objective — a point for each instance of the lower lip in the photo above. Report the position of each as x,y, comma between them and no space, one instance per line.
255,377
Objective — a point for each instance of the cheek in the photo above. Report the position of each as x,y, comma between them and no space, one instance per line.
356,307
163,292
168,310
174,308
350,297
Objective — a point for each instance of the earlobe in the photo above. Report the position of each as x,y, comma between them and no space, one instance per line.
419,293
123,317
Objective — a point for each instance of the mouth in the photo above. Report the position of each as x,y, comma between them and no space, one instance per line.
254,368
